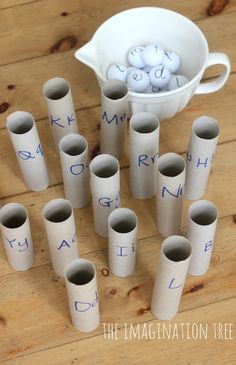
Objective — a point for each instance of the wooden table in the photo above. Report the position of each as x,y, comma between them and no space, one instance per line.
38,40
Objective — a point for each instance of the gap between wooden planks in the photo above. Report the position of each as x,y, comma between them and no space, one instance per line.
174,137
38,316
219,191
91,351
199,10
26,96
144,310
34,30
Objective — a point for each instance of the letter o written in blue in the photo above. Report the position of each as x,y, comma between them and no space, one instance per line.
77,169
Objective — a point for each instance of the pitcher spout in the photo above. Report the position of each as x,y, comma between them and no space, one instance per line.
88,55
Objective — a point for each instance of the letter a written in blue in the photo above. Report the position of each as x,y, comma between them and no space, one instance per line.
64,243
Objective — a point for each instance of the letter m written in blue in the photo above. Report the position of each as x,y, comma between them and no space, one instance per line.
109,121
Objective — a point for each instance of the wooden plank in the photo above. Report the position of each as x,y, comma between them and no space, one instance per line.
175,132
174,135
126,350
219,191
34,313
88,240
22,82
223,171
48,24
129,351
11,3
88,119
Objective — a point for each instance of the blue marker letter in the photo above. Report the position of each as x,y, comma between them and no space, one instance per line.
25,155
179,191
25,244
141,160
64,243
70,119
105,202
109,121
77,169
208,246
174,287
10,241
120,253
189,157
84,306
199,163
54,121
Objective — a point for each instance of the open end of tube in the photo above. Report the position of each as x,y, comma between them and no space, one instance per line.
57,211
20,123
176,248
80,273
144,122
114,89
123,221
13,216
56,88
73,145
206,128
203,213
105,166
171,164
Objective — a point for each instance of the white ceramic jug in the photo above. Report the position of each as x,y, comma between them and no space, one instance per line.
145,25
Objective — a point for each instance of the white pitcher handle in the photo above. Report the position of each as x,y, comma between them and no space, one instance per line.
215,59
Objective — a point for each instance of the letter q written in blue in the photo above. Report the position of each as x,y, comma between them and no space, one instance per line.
25,155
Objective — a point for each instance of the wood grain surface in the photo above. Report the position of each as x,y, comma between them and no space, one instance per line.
38,40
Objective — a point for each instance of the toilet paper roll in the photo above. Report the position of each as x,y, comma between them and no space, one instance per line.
105,189
62,117
81,285
114,112
200,155
144,149
25,140
170,179
60,227
202,221
74,162
122,232
170,278
16,235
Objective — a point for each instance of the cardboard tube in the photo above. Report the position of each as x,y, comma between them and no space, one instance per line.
200,155
81,285
62,117
61,233
114,112
202,220
170,178
123,224
144,149
16,235
171,273
105,188
25,139
74,162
